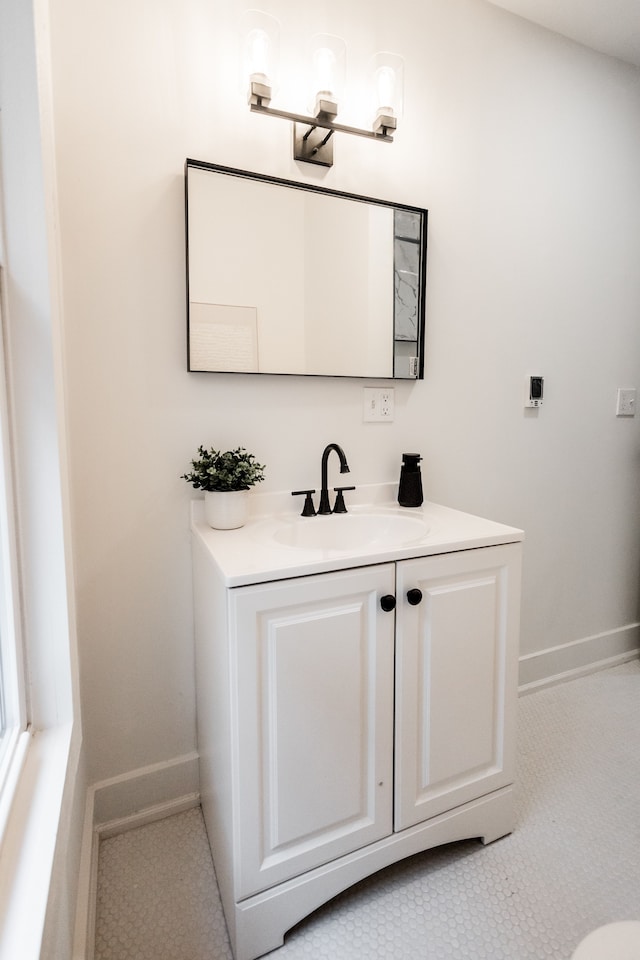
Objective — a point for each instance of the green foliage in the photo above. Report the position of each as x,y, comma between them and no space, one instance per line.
233,470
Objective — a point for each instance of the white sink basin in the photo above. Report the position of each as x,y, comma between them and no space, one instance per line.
351,531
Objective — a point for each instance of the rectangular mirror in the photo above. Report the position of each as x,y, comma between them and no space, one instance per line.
291,278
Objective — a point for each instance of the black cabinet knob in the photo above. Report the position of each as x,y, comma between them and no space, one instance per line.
414,596
388,602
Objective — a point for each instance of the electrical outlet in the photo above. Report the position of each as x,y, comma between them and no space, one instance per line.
626,402
378,405
386,406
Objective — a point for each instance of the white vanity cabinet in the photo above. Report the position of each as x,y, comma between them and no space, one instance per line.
336,737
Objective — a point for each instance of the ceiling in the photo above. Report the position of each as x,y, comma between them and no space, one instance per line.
610,26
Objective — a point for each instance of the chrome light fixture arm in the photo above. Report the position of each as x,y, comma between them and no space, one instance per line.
310,143
319,121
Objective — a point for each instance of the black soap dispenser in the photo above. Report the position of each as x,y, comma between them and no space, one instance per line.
410,489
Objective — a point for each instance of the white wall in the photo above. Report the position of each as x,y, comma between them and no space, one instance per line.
525,149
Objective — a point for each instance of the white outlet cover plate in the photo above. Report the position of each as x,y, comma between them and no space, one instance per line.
378,405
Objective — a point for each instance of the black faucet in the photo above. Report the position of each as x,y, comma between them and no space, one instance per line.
325,507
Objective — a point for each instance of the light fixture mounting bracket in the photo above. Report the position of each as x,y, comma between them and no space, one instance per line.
314,144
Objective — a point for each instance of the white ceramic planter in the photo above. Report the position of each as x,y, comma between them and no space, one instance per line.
226,509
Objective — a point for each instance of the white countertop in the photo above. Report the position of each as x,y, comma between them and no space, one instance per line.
251,554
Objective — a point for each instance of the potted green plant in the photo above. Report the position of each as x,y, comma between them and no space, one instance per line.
225,479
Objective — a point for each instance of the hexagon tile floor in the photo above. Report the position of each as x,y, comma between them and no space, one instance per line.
571,865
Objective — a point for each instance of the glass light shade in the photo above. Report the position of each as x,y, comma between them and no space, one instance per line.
387,84
328,56
260,33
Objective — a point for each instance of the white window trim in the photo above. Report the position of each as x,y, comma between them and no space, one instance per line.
13,761
29,842
12,663
39,850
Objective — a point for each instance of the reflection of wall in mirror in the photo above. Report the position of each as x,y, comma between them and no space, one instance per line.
348,287
243,251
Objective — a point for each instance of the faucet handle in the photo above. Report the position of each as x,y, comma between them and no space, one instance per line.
308,510
339,505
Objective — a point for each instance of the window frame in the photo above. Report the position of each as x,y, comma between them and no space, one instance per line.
13,700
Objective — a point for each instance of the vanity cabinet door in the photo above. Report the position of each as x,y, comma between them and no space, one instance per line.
312,686
455,679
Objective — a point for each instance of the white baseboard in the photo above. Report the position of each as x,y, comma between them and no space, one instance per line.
148,815
122,797
121,803
578,658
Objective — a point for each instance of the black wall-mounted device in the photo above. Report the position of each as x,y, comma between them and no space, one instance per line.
534,392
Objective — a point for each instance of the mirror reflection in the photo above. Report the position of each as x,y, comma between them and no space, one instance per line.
289,278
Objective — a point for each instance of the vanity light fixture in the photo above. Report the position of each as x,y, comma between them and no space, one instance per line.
313,134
